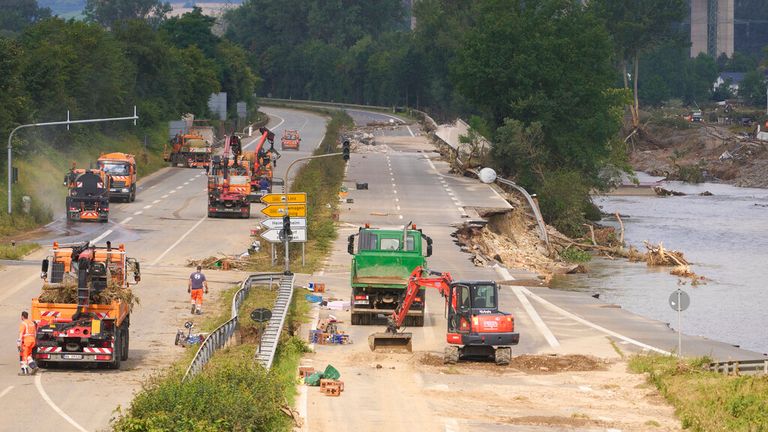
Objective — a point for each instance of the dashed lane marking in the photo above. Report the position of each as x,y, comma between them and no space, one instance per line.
164,196
126,220
6,391
136,213
157,260
148,206
102,236
179,187
47,399
173,191
409,130
156,201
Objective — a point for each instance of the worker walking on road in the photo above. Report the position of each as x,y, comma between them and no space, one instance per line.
26,344
196,283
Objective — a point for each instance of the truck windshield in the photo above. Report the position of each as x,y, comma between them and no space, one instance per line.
483,297
115,168
394,244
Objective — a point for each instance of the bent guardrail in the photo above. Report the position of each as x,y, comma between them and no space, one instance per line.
740,367
219,338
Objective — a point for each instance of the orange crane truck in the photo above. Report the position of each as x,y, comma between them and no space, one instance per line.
91,326
88,195
476,327
229,185
263,161
121,167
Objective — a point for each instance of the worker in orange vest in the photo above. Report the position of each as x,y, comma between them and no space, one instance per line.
195,287
26,344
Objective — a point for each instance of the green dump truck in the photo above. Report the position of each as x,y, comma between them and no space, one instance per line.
381,265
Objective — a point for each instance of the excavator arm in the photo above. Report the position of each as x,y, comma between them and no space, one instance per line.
416,281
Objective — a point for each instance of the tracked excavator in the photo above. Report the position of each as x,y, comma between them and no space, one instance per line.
476,327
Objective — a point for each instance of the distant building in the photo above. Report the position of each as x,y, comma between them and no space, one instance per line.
712,27
733,78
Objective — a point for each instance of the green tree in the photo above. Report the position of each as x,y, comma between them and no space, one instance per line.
192,28
16,15
638,26
753,87
110,12
199,76
235,74
13,101
701,73
546,61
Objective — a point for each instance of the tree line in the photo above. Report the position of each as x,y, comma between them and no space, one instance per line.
115,58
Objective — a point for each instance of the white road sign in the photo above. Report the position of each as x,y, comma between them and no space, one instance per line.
273,235
277,223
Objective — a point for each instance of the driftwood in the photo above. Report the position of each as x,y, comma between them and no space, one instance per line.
660,191
221,263
659,256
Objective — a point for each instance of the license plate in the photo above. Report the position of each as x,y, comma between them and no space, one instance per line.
72,356
491,324
361,302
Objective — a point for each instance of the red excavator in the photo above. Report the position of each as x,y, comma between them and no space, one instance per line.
476,327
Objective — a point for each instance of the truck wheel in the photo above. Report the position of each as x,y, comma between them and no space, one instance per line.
117,354
132,198
451,355
126,343
503,355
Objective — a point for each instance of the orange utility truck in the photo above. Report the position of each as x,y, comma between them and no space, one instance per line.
88,195
122,168
89,325
290,140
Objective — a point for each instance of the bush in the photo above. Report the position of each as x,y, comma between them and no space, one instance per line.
18,251
564,199
575,255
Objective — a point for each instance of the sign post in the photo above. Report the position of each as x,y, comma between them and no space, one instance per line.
679,301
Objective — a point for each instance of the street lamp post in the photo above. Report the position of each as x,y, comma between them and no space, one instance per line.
67,122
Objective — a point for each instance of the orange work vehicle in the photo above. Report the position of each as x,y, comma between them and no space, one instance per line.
229,185
263,160
190,150
90,329
121,167
476,327
88,195
290,140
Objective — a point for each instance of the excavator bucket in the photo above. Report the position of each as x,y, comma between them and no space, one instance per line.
390,342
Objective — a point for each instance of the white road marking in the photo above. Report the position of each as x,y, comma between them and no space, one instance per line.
409,130
125,221
179,240
5,392
156,201
537,321
397,199
173,191
179,187
451,425
398,208
193,178
581,320
164,196
399,216
186,183
148,206
137,213
395,191
273,128
102,236
394,184
39,386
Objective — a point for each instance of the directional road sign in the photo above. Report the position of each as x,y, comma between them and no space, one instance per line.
278,210
273,235
277,223
291,198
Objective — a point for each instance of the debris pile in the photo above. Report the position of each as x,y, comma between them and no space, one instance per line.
220,263
328,333
66,292
656,255
327,380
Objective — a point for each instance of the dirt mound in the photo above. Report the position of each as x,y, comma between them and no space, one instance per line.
567,363
526,363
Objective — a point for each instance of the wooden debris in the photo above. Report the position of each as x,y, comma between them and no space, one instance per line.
660,191
658,256
220,263
66,292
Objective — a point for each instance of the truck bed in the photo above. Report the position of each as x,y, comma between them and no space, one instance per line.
380,280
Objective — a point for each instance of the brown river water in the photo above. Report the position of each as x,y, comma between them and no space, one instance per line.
725,236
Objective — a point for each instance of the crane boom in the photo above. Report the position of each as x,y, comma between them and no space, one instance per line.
416,281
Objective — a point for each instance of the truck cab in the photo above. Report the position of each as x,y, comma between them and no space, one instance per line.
382,261
121,167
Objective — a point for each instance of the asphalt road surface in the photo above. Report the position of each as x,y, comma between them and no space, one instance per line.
164,227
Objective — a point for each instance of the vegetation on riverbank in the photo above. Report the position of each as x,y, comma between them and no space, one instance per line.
707,401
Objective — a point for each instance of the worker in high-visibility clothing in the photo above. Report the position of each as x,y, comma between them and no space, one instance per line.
26,344
195,287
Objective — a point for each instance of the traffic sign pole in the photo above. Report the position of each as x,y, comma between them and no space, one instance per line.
679,323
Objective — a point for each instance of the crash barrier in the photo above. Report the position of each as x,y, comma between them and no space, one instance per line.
265,353
219,338
738,367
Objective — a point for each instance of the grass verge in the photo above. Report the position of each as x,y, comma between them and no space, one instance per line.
707,401
321,179
16,251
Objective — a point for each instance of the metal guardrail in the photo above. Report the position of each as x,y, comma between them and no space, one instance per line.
737,367
321,103
271,336
219,338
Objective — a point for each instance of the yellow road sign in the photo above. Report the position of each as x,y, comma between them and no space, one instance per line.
291,198
278,210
